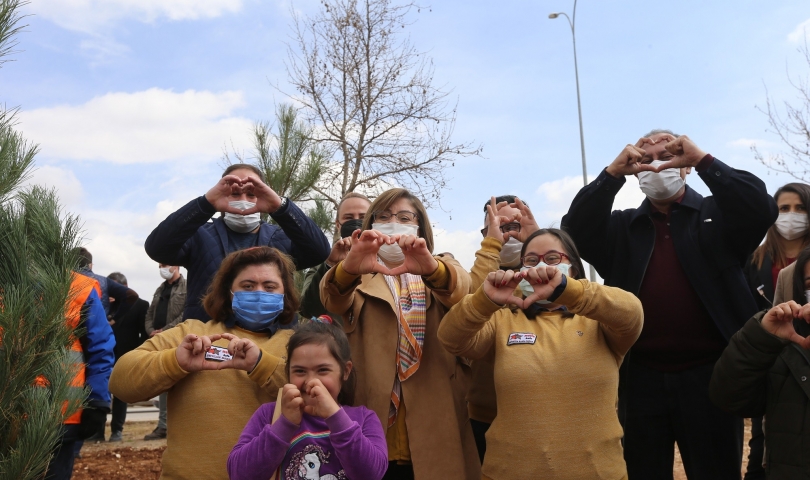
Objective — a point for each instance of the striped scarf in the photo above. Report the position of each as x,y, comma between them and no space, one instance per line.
409,293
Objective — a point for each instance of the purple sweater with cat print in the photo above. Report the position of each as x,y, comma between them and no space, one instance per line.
349,445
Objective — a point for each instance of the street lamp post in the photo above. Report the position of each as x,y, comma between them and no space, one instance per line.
572,24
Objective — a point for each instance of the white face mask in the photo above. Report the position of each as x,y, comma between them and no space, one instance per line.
791,225
242,223
166,273
663,185
526,287
510,253
392,254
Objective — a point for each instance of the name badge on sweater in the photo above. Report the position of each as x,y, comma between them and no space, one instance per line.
518,338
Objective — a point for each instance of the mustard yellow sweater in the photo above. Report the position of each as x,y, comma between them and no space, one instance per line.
556,380
207,410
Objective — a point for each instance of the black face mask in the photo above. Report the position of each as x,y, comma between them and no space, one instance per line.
350,226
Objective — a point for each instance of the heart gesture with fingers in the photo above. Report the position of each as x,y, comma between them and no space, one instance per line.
499,286
685,152
543,279
292,403
528,225
362,257
340,249
495,220
779,322
266,199
629,161
418,259
191,353
245,353
227,189
318,401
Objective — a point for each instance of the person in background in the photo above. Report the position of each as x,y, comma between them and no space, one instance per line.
350,214
93,357
765,370
556,360
187,238
683,256
165,311
507,222
127,322
217,373
785,239
783,242
109,288
287,435
392,294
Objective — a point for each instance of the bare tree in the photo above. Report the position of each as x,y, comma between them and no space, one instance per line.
371,95
792,127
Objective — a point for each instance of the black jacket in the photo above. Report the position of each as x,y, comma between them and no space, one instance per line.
760,373
128,327
187,238
761,277
713,237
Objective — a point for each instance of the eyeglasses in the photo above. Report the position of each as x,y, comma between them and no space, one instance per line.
549,258
403,216
506,228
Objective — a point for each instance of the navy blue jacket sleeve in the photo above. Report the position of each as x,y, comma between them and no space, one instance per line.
98,343
589,217
747,208
300,237
170,242
121,293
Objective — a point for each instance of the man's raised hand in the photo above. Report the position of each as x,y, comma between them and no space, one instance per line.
686,153
629,160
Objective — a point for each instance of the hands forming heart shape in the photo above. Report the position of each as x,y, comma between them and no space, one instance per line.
500,285
683,152
231,188
779,322
362,257
191,353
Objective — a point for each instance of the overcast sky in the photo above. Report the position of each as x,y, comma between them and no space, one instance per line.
132,102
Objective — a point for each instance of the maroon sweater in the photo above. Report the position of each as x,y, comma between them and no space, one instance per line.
678,332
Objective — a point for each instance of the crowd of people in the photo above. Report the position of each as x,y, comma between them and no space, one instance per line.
394,362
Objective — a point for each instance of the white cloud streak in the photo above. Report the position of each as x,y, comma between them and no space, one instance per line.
94,16
141,127
800,32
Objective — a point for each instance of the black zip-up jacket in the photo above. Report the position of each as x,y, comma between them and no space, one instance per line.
713,237
761,374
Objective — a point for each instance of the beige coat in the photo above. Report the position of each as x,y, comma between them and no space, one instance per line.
440,437
783,291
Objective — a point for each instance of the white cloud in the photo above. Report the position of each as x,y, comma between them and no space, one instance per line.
67,186
799,33
556,197
462,244
91,16
749,142
141,127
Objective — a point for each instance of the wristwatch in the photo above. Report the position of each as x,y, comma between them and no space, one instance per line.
283,203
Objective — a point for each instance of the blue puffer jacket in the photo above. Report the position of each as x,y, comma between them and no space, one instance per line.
187,238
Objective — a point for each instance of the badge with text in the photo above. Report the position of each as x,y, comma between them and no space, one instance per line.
217,354
519,338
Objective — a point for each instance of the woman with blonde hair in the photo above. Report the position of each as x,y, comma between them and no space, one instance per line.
392,294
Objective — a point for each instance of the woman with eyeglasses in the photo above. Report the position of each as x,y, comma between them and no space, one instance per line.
557,353
392,294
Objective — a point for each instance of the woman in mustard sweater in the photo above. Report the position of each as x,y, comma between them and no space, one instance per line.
556,356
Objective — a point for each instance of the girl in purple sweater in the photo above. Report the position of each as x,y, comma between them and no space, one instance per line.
315,437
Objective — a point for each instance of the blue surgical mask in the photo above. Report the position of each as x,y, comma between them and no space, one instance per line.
257,311
526,287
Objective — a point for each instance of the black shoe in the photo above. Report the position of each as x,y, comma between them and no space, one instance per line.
116,437
98,437
156,434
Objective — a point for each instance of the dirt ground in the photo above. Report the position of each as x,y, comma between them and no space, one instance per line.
136,459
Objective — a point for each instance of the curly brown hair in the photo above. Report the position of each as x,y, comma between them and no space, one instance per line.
217,301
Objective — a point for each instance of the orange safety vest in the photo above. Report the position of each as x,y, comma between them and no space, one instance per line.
80,289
